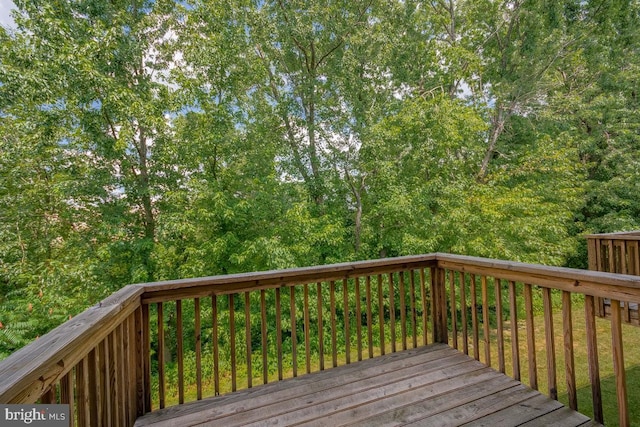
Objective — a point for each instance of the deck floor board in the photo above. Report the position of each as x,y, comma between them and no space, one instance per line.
432,385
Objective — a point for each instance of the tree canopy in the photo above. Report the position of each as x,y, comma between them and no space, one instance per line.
147,140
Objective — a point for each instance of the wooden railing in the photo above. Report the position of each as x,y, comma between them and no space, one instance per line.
616,253
153,345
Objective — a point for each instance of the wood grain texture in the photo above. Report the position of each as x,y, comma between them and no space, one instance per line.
431,385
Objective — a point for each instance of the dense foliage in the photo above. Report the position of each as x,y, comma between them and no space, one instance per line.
146,140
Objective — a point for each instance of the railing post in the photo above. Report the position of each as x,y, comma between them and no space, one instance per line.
439,306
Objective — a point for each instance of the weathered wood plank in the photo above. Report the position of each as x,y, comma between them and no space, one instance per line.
284,390
426,398
561,417
479,408
433,385
521,412
320,403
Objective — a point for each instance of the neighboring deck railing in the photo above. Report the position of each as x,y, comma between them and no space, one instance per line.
616,253
124,357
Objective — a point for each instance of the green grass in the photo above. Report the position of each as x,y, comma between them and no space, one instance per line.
631,340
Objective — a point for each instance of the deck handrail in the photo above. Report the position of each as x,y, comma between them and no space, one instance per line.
109,360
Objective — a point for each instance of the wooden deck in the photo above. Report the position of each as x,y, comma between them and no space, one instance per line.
431,386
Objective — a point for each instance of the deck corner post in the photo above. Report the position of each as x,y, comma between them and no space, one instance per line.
439,305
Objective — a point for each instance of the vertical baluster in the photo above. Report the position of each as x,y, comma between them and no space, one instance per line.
550,343
425,312
104,405
618,363
454,311
569,366
247,337
278,338
403,310
515,349
66,394
347,332
180,352
232,338
485,320
216,354
161,344
392,313
592,356
82,392
463,312
320,326
263,334
307,342
369,316
412,303
122,372
531,338
474,318
198,333
133,356
443,330
144,383
358,319
334,346
294,330
381,314
94,387
500,326
113,368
